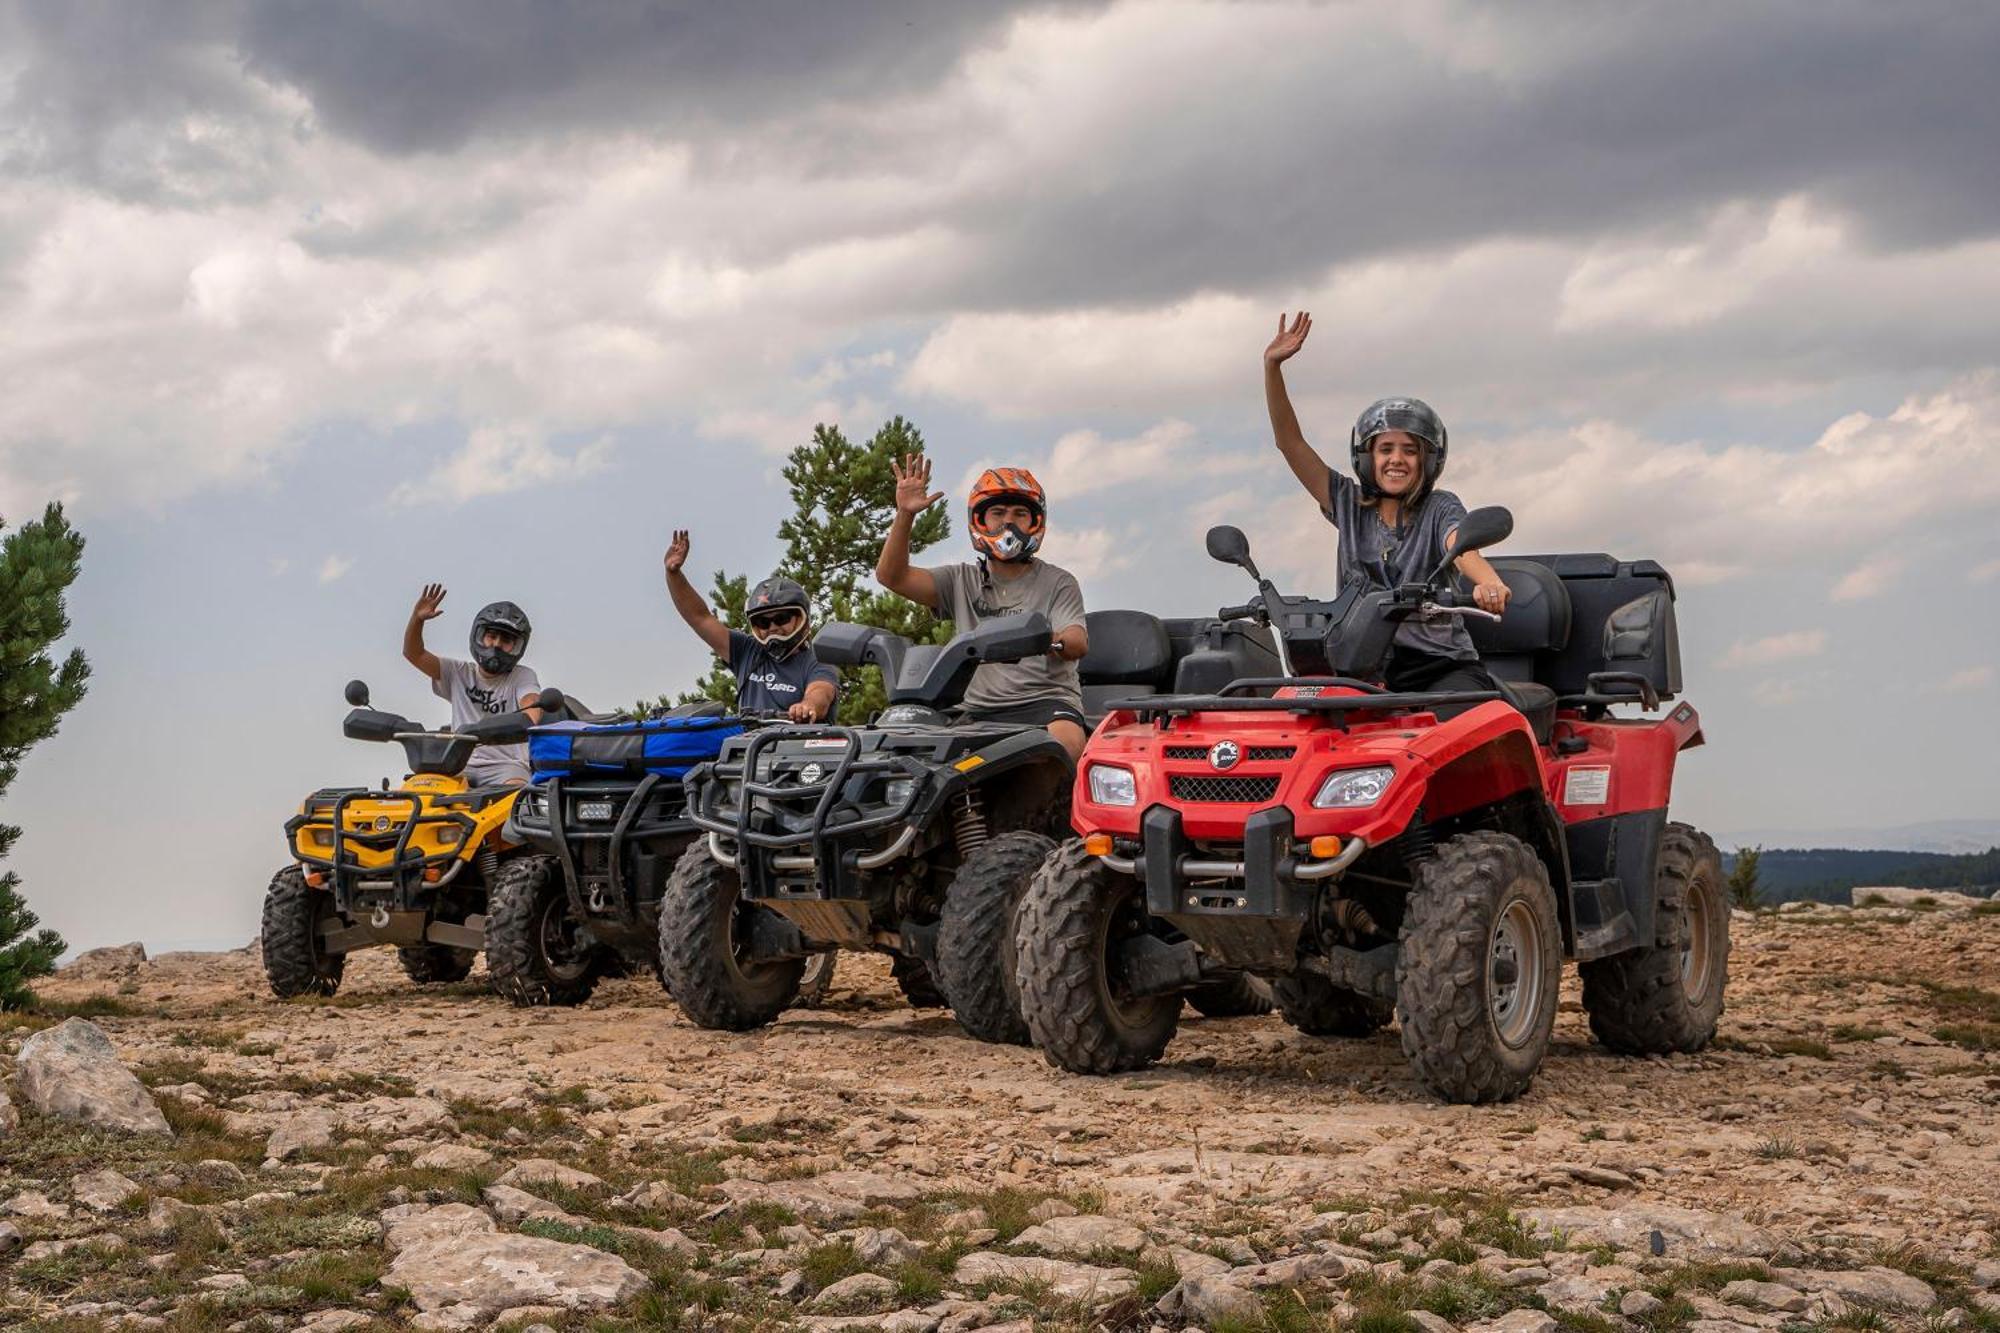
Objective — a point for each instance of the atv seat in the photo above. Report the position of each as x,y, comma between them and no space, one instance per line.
1130,654
1535,702
1536,626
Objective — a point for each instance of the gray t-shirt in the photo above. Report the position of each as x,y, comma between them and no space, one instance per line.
1384,557
475,695
968,594
768,686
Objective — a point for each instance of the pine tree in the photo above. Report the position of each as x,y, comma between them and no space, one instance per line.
1743,878
843,500
37,565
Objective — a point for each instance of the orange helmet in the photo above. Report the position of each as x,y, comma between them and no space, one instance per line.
1015,484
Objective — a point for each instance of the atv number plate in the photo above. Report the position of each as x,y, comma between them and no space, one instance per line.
593,810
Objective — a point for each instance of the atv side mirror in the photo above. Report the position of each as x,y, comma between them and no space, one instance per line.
1482,528
550,700
839,643
357,693
1231,547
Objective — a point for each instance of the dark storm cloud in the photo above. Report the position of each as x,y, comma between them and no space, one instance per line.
425,77
1883,112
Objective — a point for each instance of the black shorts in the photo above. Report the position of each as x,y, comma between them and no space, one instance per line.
1034,713
1416,672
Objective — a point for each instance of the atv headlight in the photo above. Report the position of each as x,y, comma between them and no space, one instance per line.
1351,787
898,790
319,837
1113,786
530,803
450,835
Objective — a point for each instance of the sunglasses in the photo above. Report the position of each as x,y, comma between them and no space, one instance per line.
776,621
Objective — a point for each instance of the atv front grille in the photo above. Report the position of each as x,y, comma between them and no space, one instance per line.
1255,753
1237,791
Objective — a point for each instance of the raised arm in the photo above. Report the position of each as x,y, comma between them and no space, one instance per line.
689,603
1301,457
430,605
913,496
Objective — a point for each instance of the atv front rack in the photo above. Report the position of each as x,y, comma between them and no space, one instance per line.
710,813
1236,697
404,873
632,824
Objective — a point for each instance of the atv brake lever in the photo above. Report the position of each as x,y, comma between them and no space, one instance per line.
1431,609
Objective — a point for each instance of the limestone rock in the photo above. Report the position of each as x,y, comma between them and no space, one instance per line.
1874,1286
34,1203
882,1246
1517,1321
857,1289
1071,1281
103,1191
412,1224
303,1131
71,1071
1210,1300
10,1119
542,1171
1765,1296
1688,1232
113,960
452,1157
514,1206
1081,1234
489,1272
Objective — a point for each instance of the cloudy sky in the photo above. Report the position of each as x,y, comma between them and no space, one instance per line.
304,304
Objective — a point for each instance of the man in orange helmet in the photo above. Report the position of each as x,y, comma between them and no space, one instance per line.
1007,515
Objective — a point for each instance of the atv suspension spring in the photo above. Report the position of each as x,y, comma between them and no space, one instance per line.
1416,843
968,825
489,866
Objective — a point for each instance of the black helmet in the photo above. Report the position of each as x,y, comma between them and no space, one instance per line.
509,619
778,593
1413,415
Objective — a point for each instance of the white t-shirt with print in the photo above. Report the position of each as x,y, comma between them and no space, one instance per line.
474,695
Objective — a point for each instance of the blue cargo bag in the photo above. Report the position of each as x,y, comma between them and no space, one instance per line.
668,746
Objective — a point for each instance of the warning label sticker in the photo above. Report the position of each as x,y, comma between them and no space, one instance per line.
1587,786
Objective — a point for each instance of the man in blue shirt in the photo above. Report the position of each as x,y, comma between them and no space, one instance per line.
777,674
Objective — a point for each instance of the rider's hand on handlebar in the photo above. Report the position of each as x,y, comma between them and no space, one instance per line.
802,712
1492,596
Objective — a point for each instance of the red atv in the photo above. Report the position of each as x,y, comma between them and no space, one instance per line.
1434,856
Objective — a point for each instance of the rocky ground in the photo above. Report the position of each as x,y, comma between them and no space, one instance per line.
395,1157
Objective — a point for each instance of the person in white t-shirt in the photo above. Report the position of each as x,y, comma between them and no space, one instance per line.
494,681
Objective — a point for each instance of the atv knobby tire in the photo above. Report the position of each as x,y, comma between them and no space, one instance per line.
1668,997
816,980
1240,996
913,977
434,964
1317,1007
1074,915
704,924
1478,966
293,962
976,935
535,951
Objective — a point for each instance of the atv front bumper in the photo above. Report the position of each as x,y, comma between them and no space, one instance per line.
616,842
1246,910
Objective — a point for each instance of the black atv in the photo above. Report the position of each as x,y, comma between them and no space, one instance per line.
607,815
913,836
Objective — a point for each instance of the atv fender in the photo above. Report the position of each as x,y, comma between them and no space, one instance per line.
1028,748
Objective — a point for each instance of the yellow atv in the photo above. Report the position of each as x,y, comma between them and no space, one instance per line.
408,866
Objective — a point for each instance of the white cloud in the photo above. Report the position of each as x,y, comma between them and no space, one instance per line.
1871,578
1785,647
1986,572
279,564
333,568
1084,462
1968,680
496,460
1088,553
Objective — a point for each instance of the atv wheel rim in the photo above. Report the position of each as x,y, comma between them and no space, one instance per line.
562,943
1514,974
1697,955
